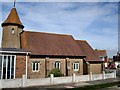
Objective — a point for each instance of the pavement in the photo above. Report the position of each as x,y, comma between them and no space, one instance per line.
73,85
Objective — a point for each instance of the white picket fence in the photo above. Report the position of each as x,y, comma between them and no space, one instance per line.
24,82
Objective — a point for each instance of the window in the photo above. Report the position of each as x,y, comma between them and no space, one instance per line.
13,31
57,64
102,58
35,66
76,66
7,66
118,66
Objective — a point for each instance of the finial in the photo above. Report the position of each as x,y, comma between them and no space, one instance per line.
14,2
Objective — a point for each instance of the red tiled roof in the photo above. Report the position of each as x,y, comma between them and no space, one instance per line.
50,44
88,51
13,18
101,52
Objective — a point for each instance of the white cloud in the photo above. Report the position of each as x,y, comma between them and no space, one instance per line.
80,18
72,18
112,52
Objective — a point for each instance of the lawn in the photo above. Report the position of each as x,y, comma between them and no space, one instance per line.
95,87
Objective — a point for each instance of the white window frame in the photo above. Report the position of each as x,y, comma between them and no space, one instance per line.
7,65
57,64
102,58
36,62
76,66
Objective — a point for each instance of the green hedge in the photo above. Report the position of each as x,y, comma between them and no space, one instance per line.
57,72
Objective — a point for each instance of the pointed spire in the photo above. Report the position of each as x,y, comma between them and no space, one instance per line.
13,19
14,3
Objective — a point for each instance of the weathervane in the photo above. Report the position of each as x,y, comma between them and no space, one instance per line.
14,2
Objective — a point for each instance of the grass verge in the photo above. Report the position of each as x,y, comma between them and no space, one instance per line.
100,86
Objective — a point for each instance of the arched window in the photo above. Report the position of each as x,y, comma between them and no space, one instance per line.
76,66
35,66
57,64
13,31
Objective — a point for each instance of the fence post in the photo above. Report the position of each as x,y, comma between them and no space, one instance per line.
0,84
103,75
114,73
51,78
23,80
90,76
74,77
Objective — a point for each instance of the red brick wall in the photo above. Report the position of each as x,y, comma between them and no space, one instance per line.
96,68
41,72
20,66
10,40
44,71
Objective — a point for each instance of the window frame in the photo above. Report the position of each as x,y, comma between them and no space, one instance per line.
7,74
102,58
36,70
76,66
57,64
12,31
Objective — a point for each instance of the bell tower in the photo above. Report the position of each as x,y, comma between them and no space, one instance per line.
12,29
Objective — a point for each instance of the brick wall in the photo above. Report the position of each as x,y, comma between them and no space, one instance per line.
71,71
20,66
96,68
69,66
47,64
41,72
10,40
51,62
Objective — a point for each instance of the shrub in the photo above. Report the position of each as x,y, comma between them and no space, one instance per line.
57,72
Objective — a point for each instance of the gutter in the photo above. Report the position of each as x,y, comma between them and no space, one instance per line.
26,63
13,52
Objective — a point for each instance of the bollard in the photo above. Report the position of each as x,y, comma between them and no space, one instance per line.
51,78
115,74
0,84
90,75
23,81
103,75
74,77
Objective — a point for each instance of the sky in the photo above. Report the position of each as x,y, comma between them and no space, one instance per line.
96,22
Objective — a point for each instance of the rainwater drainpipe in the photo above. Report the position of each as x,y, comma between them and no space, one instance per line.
26,63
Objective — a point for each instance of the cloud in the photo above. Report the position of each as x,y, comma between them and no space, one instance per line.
111,52
95,22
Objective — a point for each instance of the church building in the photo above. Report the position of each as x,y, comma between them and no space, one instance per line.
37,53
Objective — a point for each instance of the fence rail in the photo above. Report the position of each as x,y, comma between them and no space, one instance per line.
24,82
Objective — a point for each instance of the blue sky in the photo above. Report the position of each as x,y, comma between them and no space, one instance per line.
96,22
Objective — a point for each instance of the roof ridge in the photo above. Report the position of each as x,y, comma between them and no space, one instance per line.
48,33
82,40
100,50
